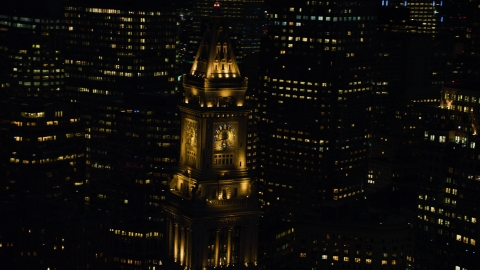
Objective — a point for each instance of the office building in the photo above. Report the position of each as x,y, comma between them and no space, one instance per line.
447,204
405,76
369,239
313,111
42,160
212,211
58,239
132,149
466,65
422,11
116,48
131,153
43,153
30,49
245,19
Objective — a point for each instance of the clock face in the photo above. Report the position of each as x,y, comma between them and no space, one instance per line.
191,134
224,136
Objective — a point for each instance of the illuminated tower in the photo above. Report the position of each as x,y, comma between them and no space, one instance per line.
212,211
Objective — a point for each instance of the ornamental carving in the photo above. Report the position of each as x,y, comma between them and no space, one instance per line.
224,137
191,133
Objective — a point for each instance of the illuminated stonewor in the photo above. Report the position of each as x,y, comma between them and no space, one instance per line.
212,211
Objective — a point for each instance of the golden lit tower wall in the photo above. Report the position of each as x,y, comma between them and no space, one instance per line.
212,208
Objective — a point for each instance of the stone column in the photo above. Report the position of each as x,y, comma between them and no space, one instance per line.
175,244
188,239
182,245
254,239
229,246
217,248
170,238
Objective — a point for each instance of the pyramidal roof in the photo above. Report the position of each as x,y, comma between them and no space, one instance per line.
215,58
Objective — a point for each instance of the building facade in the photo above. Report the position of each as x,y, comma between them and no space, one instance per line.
365,240
406,76
30,49
116,48
132,149
42,171
246,20
423,11
43,151
314,103
447,210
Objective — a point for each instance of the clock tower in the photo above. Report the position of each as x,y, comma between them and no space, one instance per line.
212,210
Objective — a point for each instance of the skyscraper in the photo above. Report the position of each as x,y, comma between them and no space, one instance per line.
212,211
467,63
422,11
116,48
447,205
42,141
42,167
245,19
30,49
115,52
314,106
408,71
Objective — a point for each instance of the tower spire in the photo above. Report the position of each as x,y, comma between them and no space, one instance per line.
215,75
212,210
215,57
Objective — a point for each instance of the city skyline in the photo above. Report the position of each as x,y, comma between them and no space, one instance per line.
241,133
